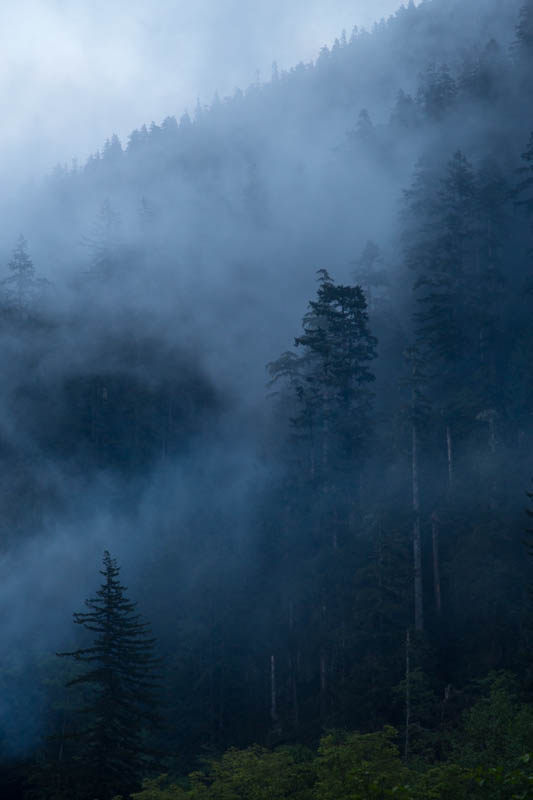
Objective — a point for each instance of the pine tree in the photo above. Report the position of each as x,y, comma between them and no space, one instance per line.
22,287
332,376
524,190
108,252
437,91
120,675
454,248
524,31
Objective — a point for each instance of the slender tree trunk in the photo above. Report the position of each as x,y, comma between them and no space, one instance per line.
417,539
492,433
273,697
435,529
293,678
407,694
380,576
323,685
449,445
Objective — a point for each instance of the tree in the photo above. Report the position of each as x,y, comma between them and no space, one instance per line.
120,675
108,252
370,275
21,285
524,31
437,92
524,190
332,376
455,246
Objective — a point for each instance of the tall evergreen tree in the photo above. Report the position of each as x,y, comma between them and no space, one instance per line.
120,675
332,376
524,189
524,31
108,252
21,285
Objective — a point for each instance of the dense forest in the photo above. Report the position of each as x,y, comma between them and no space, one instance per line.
273,362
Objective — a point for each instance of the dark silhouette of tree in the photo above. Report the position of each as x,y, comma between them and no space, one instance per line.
524,31
332,376
120,676
437,91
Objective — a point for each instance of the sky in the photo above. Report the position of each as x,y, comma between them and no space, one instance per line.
76,71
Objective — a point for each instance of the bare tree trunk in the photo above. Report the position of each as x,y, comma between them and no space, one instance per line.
323,684
407,694
417,540
492,433
435,528
273,696
293,679
380,575
449,444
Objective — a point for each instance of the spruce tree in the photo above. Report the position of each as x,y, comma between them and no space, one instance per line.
112,754
332,376
524,31
21,286
524,190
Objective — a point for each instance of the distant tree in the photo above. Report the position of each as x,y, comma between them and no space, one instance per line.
364,130
524,190
22,287
138,139
443,252
105,242
524,31
369,273
481,76
120,675
405,113
437,91
112,151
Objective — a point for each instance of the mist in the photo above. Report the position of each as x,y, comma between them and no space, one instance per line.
74,73
263,515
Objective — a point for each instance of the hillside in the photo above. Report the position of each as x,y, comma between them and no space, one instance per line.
276,358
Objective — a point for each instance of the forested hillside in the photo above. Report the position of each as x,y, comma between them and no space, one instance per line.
276,359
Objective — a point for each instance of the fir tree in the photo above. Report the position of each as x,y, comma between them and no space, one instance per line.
120,676
21,285
105,243
332,376
524,31
524,190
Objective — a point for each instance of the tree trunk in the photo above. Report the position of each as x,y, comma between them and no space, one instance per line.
323,685
273,697
407,694
417,539
435,528
449,444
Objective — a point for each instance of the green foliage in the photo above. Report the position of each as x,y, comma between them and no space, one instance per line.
160,788
346,766
498,729
355,766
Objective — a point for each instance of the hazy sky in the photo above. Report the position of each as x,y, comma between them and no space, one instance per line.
75,71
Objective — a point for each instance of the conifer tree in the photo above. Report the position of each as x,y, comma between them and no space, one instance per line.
524,190
332,376
122,691
21,285
524,31
105,243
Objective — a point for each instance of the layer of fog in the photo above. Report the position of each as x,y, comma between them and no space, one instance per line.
73,73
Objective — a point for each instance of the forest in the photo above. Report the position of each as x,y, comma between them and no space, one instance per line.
267,436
